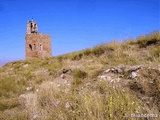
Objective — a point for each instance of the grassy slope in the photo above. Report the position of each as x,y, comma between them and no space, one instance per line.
81,93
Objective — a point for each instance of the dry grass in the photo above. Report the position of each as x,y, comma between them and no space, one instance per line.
33,89
146,40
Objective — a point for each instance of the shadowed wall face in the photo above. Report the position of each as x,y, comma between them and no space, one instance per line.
37,44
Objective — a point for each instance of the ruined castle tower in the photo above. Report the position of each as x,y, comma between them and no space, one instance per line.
37,44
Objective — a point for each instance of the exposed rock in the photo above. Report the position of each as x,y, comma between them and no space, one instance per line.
118,69
64,70
26,65
112,70
90,60
133,75
107,71
35,116
37,90
29,88
62,76
67,105
133,68
102,77
11,69
65,81
112,81
51,82
22,96
121,69
29,101
109,78
121,76
56,103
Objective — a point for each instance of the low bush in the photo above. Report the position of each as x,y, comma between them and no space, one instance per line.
87,52
8,104
98,50
78,76
146,40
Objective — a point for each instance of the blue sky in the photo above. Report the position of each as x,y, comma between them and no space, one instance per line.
74,24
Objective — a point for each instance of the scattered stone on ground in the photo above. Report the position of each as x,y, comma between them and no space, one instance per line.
67,105
29,88
62,76
64,70
133,75
26,65
133,68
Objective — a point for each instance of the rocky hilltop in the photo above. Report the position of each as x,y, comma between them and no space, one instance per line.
116,81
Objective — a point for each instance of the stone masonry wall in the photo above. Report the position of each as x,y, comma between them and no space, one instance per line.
38,45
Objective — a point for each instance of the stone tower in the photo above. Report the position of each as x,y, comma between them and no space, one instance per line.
37,44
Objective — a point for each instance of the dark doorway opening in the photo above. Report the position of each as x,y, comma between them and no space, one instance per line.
30,46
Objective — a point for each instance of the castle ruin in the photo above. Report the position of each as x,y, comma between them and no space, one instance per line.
37,44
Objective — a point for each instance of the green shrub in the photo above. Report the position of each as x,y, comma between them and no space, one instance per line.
76,81
98,50
10,86
128,43
21,116
76,56
131,41
78,76
87,52
112,46
54,67
60,58
7,86
146,40
39,80
4,104
43,62
28,75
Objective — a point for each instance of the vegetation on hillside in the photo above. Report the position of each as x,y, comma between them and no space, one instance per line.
100,83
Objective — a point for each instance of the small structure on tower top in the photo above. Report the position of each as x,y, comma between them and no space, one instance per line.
32,27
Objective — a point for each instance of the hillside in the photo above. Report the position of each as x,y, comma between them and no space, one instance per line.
113,81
